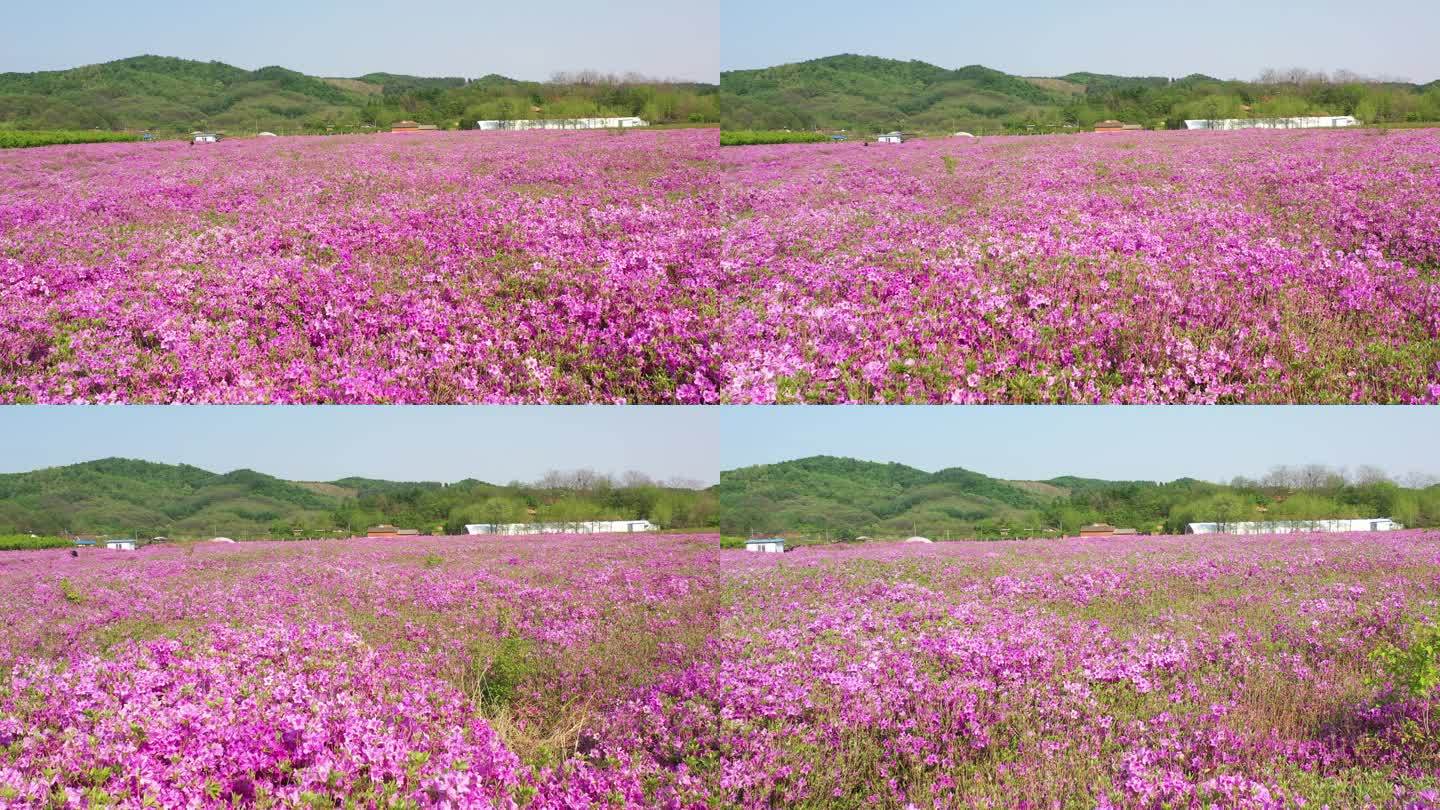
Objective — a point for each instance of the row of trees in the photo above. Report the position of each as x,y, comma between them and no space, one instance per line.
566,96
573,496
1310,492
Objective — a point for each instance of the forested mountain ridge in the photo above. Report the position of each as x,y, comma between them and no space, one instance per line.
869,94
845,498
129,497
179,95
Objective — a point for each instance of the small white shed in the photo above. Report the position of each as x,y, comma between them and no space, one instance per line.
120,545
892,137
771,545
206,137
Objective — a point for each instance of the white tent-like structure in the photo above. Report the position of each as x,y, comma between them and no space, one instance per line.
221,540
918,539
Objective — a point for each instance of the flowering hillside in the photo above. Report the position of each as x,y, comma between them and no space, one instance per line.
459,267
436,672
1257,672
1265,267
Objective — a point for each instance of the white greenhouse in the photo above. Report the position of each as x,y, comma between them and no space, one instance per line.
573,527
1297,122
623,122
1295,526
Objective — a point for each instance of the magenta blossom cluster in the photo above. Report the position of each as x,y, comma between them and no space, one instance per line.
1121,673
421,672
1181,267
285,713
455,267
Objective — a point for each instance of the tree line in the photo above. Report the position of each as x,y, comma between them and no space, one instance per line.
1308,492
573,496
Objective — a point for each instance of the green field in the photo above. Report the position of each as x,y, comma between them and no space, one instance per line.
751,137
14,139
24,542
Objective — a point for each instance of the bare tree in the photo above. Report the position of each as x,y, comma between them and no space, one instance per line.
1367,474
634,479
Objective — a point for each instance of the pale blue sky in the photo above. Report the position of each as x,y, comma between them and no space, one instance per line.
1159,443
523,40
1224,38
496,444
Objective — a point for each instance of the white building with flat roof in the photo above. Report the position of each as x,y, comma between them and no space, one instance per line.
769,545
576,527
1295,122
621,122
1295,526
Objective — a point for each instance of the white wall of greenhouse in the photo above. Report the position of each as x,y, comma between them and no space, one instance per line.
1296,526
1298,122
772,545
576,527
564,123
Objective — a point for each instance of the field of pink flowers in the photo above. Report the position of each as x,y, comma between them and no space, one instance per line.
1146,673
454,267
435,672
1255,266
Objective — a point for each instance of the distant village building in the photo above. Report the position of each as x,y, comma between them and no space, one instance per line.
206,137
1104,530
579,527
1112,125
1297,122
620,122
768,545
411,126
1295,526
383,530
892,137
120,545
86,541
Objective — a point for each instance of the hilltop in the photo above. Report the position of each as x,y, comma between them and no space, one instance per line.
870,93
169,94
843,497
129,497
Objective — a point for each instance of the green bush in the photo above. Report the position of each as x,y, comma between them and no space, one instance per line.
24,542
15,139
1414,669
751,137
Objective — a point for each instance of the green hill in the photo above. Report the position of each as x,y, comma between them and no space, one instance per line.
870,94
843,498
126,497
179,95
121,496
